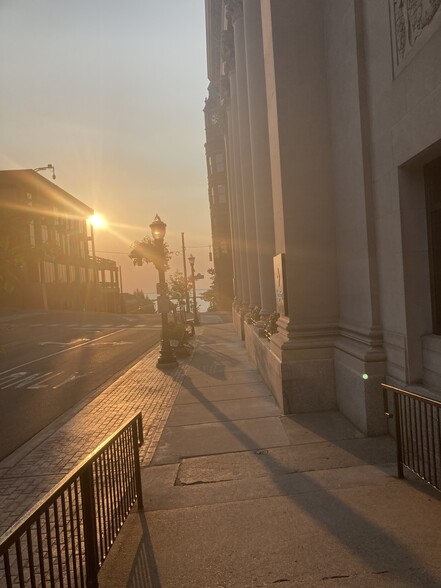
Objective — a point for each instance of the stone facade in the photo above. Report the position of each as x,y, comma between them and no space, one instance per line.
335,108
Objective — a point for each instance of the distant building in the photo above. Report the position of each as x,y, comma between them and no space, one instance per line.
47,249
218,194
331,115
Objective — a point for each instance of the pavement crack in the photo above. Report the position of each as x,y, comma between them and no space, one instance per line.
179,482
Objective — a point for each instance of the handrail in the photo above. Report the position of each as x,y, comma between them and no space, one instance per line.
418,433
70,531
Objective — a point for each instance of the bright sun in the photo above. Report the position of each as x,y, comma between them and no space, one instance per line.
97,221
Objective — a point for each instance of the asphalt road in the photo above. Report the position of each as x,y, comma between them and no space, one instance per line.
50,361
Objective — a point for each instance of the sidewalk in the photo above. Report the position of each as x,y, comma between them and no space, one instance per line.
34,469
238,496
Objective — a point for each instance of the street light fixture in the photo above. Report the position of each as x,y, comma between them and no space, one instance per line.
166,357
191,259
49,166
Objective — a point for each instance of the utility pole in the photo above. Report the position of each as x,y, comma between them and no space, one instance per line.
187,298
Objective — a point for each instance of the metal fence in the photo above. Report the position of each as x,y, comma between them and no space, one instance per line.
66,537
418,433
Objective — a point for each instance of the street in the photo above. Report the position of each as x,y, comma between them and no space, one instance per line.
49,361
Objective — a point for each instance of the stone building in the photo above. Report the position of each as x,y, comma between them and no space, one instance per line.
47,251
218,195
331,113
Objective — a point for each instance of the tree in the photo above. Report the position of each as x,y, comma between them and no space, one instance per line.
178,288
211,294
144,302
148,251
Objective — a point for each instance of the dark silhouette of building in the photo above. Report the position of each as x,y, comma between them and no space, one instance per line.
219,200
47,252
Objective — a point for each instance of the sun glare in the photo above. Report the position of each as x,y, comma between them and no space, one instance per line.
97,221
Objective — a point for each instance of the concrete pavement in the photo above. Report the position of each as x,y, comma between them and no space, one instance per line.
238,496
33,469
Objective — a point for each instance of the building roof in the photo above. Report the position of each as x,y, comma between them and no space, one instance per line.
31,180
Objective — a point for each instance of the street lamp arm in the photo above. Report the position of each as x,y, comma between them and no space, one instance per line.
48,166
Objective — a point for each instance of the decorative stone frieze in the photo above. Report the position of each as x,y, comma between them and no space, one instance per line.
224,89
412,21
227,50
233,9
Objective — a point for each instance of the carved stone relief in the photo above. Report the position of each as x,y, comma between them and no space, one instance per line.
411,20
227,49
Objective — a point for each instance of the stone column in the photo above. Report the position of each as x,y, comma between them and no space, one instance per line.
303,199
235,169
228,133
235,8
239,200
260,154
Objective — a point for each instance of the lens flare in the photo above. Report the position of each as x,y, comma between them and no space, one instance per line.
97,221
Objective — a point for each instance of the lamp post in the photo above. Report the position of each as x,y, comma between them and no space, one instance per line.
166,357
195,312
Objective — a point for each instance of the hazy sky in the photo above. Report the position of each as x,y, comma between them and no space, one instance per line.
111,93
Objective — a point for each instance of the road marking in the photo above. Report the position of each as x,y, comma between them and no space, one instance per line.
53,343
112,343
37,380
39,384
59,352
64,342
76,376
12,377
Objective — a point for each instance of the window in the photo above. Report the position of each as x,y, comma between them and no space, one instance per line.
432,177
32,233
49,272
44,234
220,165
62,273
221,194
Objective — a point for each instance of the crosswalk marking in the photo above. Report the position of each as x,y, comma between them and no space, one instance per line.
127,325
37,380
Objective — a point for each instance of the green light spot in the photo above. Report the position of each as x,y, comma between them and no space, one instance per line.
365,376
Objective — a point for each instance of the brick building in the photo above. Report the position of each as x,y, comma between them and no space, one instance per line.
47,249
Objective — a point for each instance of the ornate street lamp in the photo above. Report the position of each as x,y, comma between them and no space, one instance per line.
195,312
166,357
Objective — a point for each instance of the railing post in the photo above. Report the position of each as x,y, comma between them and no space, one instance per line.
89,526
397,416
136,425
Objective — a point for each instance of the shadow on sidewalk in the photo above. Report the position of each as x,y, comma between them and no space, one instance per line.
341,521
359,533
144,571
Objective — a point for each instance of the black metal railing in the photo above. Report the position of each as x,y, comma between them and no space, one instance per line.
418,433
66,537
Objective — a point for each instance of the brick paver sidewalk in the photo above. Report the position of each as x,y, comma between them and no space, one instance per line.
23,481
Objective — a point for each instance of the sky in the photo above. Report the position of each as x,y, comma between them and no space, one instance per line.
112,93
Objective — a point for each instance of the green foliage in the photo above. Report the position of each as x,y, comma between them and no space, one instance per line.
139,295
177,288
148,251
210,295
144,301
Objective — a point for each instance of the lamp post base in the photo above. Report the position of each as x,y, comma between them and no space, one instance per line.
166,360
166,363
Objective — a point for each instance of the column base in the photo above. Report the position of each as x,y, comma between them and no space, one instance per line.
323,374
